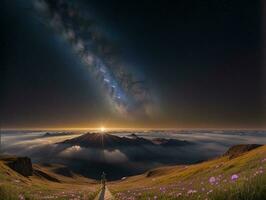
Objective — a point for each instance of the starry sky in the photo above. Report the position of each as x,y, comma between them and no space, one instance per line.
157,64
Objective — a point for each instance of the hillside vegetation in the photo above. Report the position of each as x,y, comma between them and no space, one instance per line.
234,176
43,184
237,175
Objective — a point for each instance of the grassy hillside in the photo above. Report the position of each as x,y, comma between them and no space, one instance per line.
237,177
242,177
44,184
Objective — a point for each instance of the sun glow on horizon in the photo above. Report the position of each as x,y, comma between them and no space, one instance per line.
102,129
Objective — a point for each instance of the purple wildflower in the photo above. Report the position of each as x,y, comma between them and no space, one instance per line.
234,177
212,180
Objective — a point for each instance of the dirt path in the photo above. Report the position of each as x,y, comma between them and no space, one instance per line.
104,194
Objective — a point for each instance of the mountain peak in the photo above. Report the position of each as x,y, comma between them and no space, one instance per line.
109,141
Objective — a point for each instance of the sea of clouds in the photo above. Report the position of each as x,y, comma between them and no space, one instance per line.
126,161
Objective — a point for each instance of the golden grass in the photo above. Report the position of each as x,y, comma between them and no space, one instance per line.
35,187
190,176
168,175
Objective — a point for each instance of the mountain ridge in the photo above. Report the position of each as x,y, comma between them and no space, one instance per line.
109,141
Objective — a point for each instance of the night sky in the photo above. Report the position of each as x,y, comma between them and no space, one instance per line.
198,61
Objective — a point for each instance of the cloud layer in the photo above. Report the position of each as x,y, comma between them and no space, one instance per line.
127,161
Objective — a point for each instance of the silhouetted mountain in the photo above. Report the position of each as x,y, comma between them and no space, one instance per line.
108,141
48,134
133,135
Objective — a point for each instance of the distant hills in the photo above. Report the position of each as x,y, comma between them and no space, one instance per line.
48,134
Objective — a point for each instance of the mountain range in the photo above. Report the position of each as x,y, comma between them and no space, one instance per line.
109,141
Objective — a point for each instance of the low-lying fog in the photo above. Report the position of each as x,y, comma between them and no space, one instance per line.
91,162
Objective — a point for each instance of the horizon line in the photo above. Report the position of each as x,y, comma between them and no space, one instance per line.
123,128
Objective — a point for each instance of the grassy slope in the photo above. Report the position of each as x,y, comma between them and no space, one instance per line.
176,182
13,185
192,182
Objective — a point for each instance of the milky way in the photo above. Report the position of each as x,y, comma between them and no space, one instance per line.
126,93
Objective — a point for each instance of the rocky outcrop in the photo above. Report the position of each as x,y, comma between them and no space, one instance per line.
21,165
46,176
238,150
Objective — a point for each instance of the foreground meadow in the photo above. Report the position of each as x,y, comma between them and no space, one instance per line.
44,185
230,177
238,178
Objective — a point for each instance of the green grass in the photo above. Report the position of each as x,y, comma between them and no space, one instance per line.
93,195
254,189
9,192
